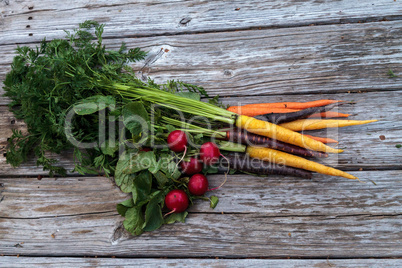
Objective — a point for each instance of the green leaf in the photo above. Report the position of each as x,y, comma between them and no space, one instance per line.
198,136
232,171
398,146
155,167
214,201
161,178
189,95
173,171
153,214
391,74
136,118
170,128
93,104
141,161
142,186
109,148
123,180
176,217
124,206
134,220
210,170
169,167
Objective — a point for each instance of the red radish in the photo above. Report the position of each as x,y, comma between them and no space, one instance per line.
176,201
177,141
209,153
191,167
198,184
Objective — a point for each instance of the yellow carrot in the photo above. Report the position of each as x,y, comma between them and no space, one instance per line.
273,131
278,157
321,139
311,124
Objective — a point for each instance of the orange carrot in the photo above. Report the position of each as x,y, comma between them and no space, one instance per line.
282,158
293,105
251,111
321,139
311,124
329,114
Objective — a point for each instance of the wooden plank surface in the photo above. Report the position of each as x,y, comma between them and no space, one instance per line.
246,52
276,217
207,235
272,195
214,263
302,60
27,21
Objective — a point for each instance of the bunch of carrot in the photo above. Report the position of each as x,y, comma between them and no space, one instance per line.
295,116
292,115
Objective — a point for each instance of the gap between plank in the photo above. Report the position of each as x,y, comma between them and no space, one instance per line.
208,257
256,214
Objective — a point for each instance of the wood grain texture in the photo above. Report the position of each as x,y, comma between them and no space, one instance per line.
214,263
363,146
25,21
207,235
272,195
302,60
247,52
275,217
81,196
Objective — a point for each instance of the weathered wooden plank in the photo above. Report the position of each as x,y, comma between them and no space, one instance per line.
207,235
66,218
25,21
364,148
16,262
322,59
44,196
273,195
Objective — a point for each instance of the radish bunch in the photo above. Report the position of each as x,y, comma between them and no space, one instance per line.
177,200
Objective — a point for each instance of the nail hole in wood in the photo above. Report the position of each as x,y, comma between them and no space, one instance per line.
30,34
12,122
30,8
5,154
30,18
28,26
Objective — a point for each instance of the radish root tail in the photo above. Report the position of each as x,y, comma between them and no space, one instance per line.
226,176
173,211
181,159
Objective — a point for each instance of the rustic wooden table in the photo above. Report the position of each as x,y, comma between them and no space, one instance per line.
246,52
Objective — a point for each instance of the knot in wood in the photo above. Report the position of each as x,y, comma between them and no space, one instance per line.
185,21
227,73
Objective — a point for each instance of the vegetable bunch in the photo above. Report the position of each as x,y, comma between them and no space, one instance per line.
75,94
